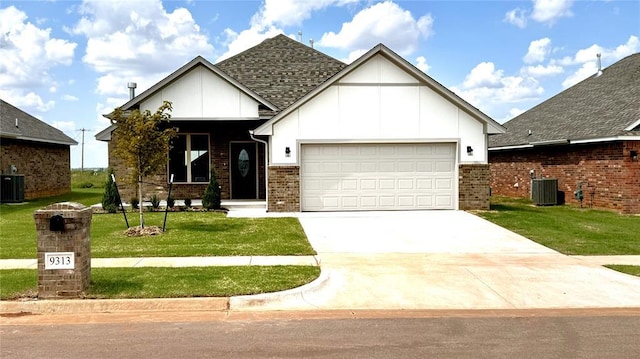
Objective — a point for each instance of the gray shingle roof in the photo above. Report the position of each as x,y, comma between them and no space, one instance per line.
598,107
29,128
280,69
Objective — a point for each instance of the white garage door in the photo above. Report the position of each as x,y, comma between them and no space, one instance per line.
351,177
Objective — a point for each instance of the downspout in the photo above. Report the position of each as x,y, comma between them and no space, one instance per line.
266,166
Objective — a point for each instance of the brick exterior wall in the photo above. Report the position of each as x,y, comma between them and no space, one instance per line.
64,283
46,167
221,134
610,178
284,189
473,185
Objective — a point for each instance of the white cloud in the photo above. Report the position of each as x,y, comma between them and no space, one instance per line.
517,17
290,12
548,11
538,50
587,59
488,88
70,98
27,55
270,20
421,63
541,70
544,11
384,22
64,126
138,39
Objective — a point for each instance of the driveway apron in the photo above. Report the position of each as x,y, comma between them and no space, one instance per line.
443,260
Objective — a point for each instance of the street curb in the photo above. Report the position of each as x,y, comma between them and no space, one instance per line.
77,306
256,301
218,304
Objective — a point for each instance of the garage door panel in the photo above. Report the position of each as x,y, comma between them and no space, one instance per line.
377,176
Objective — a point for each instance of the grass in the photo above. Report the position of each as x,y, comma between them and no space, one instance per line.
188,233
88,178
569,230
633,270
112,283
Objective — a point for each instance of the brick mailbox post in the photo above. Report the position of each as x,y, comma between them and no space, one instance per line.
64,250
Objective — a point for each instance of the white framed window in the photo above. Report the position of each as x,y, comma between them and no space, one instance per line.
189,159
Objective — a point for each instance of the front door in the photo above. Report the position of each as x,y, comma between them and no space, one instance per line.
244,174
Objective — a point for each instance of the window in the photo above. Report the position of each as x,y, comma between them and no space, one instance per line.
189,158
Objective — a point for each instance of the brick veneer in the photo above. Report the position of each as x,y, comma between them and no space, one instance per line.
610,178
46,167
64,283
473,186
284,189
221,134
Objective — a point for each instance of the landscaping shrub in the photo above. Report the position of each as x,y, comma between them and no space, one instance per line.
211,198
170,202
187,202
110,199
155,202
135,203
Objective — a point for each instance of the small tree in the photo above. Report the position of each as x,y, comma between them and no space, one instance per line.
110,197
211,198
142,141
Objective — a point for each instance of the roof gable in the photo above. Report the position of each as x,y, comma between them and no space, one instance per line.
187,68
281,69
15,123
603,106
349,73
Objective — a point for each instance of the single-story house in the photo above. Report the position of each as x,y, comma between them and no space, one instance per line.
286,123
34,154
587,137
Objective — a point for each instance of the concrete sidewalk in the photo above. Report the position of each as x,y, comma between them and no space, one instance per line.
177,262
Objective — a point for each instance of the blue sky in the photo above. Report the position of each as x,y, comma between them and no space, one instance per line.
68,62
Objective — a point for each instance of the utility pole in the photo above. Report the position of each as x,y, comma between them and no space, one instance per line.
82,163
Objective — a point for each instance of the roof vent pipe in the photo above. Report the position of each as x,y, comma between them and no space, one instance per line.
132,89
311,43
599,64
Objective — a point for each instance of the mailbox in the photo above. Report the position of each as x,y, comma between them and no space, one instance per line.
56,223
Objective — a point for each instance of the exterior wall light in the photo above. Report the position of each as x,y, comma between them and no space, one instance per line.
287,152
469,150
634,155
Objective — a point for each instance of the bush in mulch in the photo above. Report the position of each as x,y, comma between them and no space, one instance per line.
140,232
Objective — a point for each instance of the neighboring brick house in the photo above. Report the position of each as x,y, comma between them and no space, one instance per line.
587,136
36,150
283,122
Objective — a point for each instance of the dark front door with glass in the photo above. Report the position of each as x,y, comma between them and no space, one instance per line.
244,174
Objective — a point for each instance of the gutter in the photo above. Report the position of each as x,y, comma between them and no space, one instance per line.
266,167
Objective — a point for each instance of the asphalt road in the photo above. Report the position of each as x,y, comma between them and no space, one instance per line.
374,334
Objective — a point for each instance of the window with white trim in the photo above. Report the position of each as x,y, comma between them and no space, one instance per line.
189,160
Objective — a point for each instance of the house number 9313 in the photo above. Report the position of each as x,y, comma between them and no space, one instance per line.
59,260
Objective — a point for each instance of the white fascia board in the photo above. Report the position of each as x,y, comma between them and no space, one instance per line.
33,139
633,125
213,119
517,147
607,139
264,130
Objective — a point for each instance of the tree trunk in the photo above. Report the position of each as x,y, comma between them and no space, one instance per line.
140,196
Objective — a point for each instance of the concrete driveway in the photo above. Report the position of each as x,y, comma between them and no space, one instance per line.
440,260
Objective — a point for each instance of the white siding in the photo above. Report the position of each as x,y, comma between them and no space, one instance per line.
201,94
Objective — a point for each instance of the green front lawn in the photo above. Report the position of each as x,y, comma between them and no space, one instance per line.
111,283
567,229
188,233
